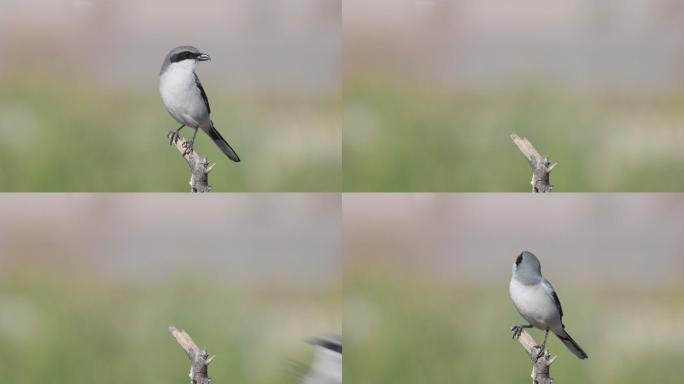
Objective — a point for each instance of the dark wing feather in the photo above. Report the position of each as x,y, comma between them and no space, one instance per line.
330,342
558,304
204,95
549,289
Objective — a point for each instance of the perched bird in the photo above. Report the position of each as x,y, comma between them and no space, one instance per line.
327,365
185,99
537,302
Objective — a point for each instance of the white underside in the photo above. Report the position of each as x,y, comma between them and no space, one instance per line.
536,305
181,96
326,368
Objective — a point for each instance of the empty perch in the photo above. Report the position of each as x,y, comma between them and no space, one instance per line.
199,359
541,166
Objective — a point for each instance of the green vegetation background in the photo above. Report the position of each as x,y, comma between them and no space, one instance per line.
403,135
61,327
406,326
60,136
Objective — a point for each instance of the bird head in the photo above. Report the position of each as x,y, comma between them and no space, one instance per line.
185,56
527,267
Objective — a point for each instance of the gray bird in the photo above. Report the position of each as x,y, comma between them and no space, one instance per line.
184,96
327,365
537,302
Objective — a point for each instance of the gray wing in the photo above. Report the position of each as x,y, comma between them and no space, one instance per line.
552,292
204,94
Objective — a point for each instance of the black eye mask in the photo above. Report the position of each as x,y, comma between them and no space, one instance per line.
180,56
518,260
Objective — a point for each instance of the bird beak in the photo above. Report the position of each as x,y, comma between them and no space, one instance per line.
203,57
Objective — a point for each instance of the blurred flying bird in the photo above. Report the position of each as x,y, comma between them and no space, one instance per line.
327,364
185,99
538,303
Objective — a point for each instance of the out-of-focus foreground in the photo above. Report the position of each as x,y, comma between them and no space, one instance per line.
426,286
433,89
89,285
80,107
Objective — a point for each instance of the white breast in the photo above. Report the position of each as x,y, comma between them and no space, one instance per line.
535,305
181,96
326,368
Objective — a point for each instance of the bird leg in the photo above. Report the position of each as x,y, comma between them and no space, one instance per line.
188,144
542,348
517,329
173,135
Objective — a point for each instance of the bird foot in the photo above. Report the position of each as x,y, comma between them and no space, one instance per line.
542,351
517,331
188,147
173,136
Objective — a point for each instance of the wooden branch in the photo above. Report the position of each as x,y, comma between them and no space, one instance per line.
199,166
199,359
541,166
540,366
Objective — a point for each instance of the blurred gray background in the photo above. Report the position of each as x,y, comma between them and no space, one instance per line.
585,45
239,238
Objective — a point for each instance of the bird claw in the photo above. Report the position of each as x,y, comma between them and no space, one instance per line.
541,352
173,136
188,147
517,331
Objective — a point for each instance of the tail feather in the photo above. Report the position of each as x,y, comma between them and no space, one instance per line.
572,345
223,144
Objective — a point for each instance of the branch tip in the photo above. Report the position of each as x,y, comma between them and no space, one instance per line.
199,358
539,165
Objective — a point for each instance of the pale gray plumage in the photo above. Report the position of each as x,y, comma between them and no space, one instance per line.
326,367
184,97
537,301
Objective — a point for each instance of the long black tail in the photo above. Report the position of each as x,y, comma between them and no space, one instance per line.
223,144
572,345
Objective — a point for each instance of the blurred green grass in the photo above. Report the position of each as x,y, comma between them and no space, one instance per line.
404,326
402,135
58,327
61,136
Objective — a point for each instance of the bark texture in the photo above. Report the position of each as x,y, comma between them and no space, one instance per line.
199,359
199,166
541,366
541,166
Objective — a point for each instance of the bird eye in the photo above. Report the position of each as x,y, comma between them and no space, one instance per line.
518,260
180,56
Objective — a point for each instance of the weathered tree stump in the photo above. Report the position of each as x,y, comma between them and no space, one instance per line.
199,166
541,166
540,364
199,359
